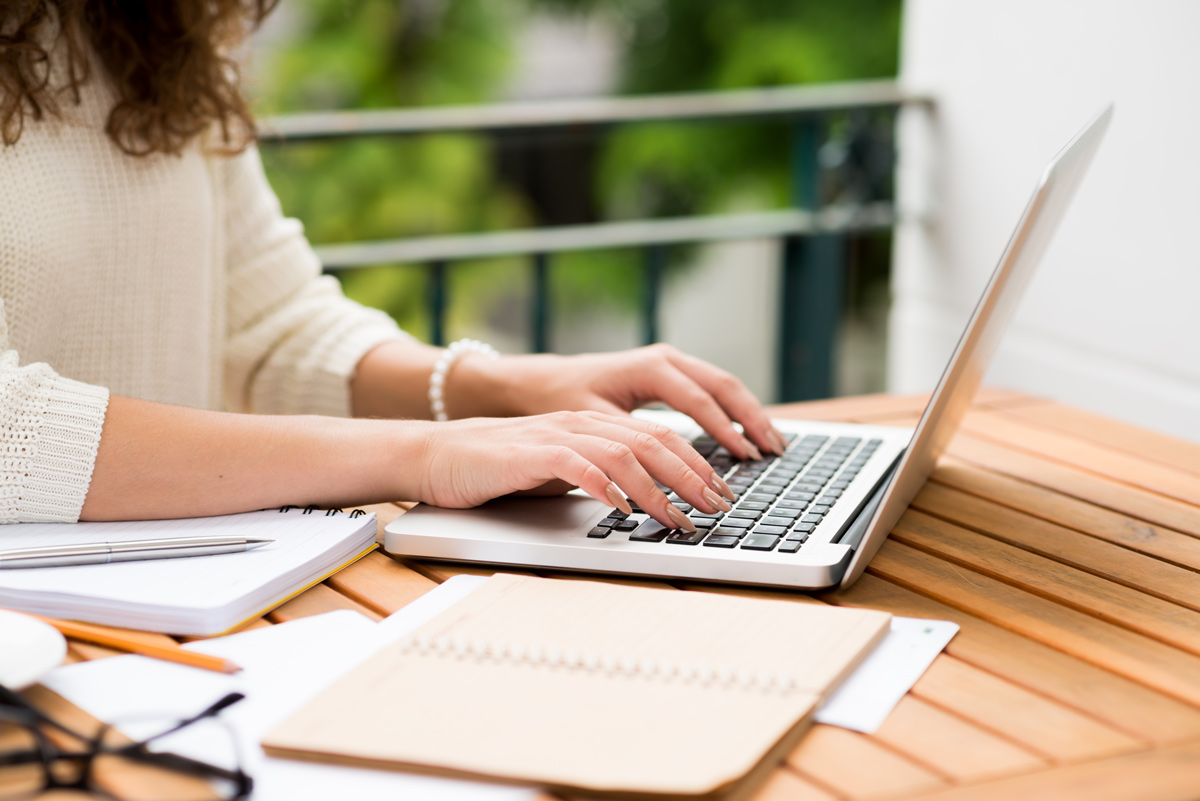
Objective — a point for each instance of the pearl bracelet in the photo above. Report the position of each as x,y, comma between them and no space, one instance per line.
437,379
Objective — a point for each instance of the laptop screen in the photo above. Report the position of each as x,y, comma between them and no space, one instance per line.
979,340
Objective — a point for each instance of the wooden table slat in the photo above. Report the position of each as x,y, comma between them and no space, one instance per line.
855,766
1124,467
1147,538
1079,483
317,601
950,746
380,583
1125,437
1111,647
1122,704
1043,726
1107,600
1169,774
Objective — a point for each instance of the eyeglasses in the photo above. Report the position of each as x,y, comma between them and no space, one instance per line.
39,753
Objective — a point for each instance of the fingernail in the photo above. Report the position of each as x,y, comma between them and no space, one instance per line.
750,450
617,499
715,501
780,441
679,518
720,486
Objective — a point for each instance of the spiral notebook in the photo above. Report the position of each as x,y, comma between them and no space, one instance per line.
195,595
591,689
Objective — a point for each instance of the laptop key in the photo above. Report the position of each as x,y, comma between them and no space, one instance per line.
758,497
650,531
783,522
607,522
795,536
760,542
712,515
599,532
756,505
818,509
726,531
722,541
687,537
626,525
736,522
703,522
811,519
749,514
789,546
776,531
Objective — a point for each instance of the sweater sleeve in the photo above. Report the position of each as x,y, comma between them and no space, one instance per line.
49,435
293,338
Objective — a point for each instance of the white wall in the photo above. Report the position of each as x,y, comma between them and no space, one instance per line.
1110,322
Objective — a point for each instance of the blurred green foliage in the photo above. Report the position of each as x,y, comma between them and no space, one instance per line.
354,54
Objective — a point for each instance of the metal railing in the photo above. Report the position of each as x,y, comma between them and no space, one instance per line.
814,233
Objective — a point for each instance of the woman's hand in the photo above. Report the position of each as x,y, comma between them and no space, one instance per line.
616,383
470,461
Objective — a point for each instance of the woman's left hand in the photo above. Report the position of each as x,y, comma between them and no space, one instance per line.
617,383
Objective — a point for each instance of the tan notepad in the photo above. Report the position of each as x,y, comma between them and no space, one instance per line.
589,688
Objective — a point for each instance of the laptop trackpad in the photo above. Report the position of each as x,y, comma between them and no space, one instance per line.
507,518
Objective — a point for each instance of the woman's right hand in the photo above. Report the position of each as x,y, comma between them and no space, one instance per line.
470,461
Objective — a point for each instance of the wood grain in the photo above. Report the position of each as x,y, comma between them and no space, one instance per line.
1111,433
1122,704
1168,774
950,746
1043,726
1142,504
317,601
1091,594
1047,444
1142,536
855,766
380,583
1135,656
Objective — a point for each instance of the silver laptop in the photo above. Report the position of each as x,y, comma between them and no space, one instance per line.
809,519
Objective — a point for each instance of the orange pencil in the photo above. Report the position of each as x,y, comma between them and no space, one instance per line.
135,643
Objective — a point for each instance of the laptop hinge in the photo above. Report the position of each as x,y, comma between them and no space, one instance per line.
853,533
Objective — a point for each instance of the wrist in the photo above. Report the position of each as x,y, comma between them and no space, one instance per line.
478,386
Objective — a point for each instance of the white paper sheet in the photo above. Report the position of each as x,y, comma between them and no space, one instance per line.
865,699
283,667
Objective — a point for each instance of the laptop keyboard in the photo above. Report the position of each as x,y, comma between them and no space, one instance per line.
779,500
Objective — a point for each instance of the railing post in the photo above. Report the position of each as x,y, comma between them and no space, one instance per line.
539,322
654,261
812,282
437,302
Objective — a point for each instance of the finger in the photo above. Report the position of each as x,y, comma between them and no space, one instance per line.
671,385
559,462
622,463
669,458
734,397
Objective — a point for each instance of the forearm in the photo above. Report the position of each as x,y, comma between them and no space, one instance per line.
392,380
165,461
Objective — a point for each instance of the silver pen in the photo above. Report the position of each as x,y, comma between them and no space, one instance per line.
100,553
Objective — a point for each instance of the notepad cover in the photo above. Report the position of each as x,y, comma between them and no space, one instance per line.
589,688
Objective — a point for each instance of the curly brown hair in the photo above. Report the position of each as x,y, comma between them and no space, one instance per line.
168,59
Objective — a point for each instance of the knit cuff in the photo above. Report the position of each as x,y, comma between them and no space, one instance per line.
62,451
326,390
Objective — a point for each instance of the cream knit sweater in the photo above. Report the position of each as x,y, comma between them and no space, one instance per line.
173,279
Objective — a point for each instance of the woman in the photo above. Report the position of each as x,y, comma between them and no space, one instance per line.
149,280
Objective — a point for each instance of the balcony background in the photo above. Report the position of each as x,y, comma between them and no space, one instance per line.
720,300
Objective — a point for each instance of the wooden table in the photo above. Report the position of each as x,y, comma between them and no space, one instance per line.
1065,545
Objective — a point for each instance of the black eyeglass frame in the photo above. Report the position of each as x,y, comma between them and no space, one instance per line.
15,709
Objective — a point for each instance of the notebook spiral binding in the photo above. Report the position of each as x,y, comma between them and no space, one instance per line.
443,646
307,510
